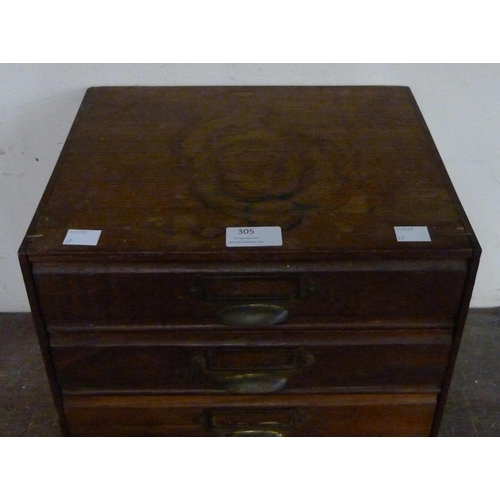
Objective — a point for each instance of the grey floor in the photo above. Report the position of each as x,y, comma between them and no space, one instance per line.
473,407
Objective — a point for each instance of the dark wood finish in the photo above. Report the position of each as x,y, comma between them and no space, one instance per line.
368,362
142,295
473,265
344,415
149,331
43,340
166,170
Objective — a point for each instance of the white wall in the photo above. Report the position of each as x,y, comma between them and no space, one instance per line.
461,104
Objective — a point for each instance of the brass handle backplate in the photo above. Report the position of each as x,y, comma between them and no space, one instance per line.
252,287
251,422
255,380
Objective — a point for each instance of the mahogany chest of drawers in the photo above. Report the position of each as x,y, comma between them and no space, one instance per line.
249,261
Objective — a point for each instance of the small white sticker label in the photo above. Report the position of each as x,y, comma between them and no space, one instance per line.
262,236
88,237
412,233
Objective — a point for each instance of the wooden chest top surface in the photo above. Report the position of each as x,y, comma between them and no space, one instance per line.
163,171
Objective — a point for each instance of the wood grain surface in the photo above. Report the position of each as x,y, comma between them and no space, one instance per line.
167,170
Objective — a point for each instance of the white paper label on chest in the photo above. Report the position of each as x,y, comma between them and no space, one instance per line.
412,233
261,236
88,237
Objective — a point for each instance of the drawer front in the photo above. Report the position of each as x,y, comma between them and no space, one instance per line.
360,294
333,362
341,415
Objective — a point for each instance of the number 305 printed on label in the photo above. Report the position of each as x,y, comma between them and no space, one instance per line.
261,236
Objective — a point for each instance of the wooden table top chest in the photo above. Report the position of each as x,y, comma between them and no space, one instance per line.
249,261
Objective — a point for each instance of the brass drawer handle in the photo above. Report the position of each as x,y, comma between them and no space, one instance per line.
251,422
254,433
252,315
255,380
252,383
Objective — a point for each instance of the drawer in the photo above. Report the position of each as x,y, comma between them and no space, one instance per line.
319,415
405,294
321,362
